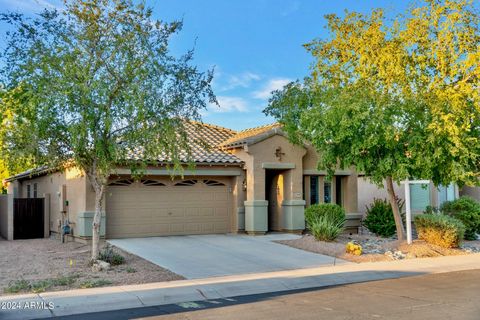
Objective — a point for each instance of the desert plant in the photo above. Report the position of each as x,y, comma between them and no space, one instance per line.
131,270
466,210
17,286
441,230
379,218
325,221
109,255
353,248
95,283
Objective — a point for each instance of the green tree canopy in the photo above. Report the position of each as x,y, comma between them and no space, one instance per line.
94,82
397,100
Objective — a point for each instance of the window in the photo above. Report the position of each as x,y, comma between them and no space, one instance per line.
338,190
152,183
121,183
213,183
29,191
327,191
35,190
186,183
446,193
313,189
419,197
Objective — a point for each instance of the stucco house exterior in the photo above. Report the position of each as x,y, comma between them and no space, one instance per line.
253,180
421,196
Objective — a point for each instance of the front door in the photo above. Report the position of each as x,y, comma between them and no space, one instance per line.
274,193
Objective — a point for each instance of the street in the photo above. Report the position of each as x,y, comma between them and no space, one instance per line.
454,295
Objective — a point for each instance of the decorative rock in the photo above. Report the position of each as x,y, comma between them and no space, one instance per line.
396,255
100,265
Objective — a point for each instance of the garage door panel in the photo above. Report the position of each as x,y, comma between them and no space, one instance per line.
191,212
220,226
141,211
221,196
206,212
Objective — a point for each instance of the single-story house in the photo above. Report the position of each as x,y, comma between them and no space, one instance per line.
253,180
421,196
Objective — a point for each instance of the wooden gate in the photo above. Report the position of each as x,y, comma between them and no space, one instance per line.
28,218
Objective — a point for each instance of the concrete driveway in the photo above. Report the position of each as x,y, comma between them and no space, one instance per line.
205,256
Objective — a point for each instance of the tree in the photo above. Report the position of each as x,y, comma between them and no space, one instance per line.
396,100
9,164
95,83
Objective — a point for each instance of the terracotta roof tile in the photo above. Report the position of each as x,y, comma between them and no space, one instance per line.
204,140
243,136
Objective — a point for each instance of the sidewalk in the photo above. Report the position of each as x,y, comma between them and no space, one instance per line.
152,294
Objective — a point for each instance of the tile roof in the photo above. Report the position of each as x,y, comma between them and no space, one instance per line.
214,149
204,140
245,136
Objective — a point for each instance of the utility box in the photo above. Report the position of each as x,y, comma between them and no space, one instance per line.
85,222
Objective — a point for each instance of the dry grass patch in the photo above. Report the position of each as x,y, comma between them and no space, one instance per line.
40,265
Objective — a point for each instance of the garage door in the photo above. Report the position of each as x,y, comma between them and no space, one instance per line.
158,207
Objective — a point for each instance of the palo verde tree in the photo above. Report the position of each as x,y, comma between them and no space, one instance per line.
95,82
396,100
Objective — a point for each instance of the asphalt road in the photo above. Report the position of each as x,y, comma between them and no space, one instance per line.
453,295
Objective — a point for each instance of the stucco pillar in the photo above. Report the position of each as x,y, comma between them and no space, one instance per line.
293,205
256,216
256,207
238,195
10,217
350,187
293,217
46,215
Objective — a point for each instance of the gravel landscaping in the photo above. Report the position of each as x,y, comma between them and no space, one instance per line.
39,265
378,249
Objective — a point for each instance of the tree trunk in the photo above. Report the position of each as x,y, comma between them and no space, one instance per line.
97,220
396,211
98,183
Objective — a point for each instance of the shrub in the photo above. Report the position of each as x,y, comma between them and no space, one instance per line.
17,286
466,210
380,219
440,230
109,255
353,248
95,283
325,221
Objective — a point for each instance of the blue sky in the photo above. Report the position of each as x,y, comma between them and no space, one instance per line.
255,46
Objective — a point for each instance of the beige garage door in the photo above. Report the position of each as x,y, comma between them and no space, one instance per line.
158,207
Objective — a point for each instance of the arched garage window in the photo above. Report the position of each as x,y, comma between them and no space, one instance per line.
186,183
152,183
213,183
121,183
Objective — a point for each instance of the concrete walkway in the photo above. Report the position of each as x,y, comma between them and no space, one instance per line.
162,293
204,256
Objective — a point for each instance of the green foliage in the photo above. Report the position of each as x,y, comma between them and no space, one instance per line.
466,210
131,270
393,99
17,286
109,255
325,221
40,285
379,218
440,230
95,283
432,210
96,86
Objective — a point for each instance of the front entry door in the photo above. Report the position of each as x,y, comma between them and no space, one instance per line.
275,199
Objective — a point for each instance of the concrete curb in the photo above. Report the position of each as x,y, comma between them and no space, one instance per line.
153,294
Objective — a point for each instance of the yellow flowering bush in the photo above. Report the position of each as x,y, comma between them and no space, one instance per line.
353,248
